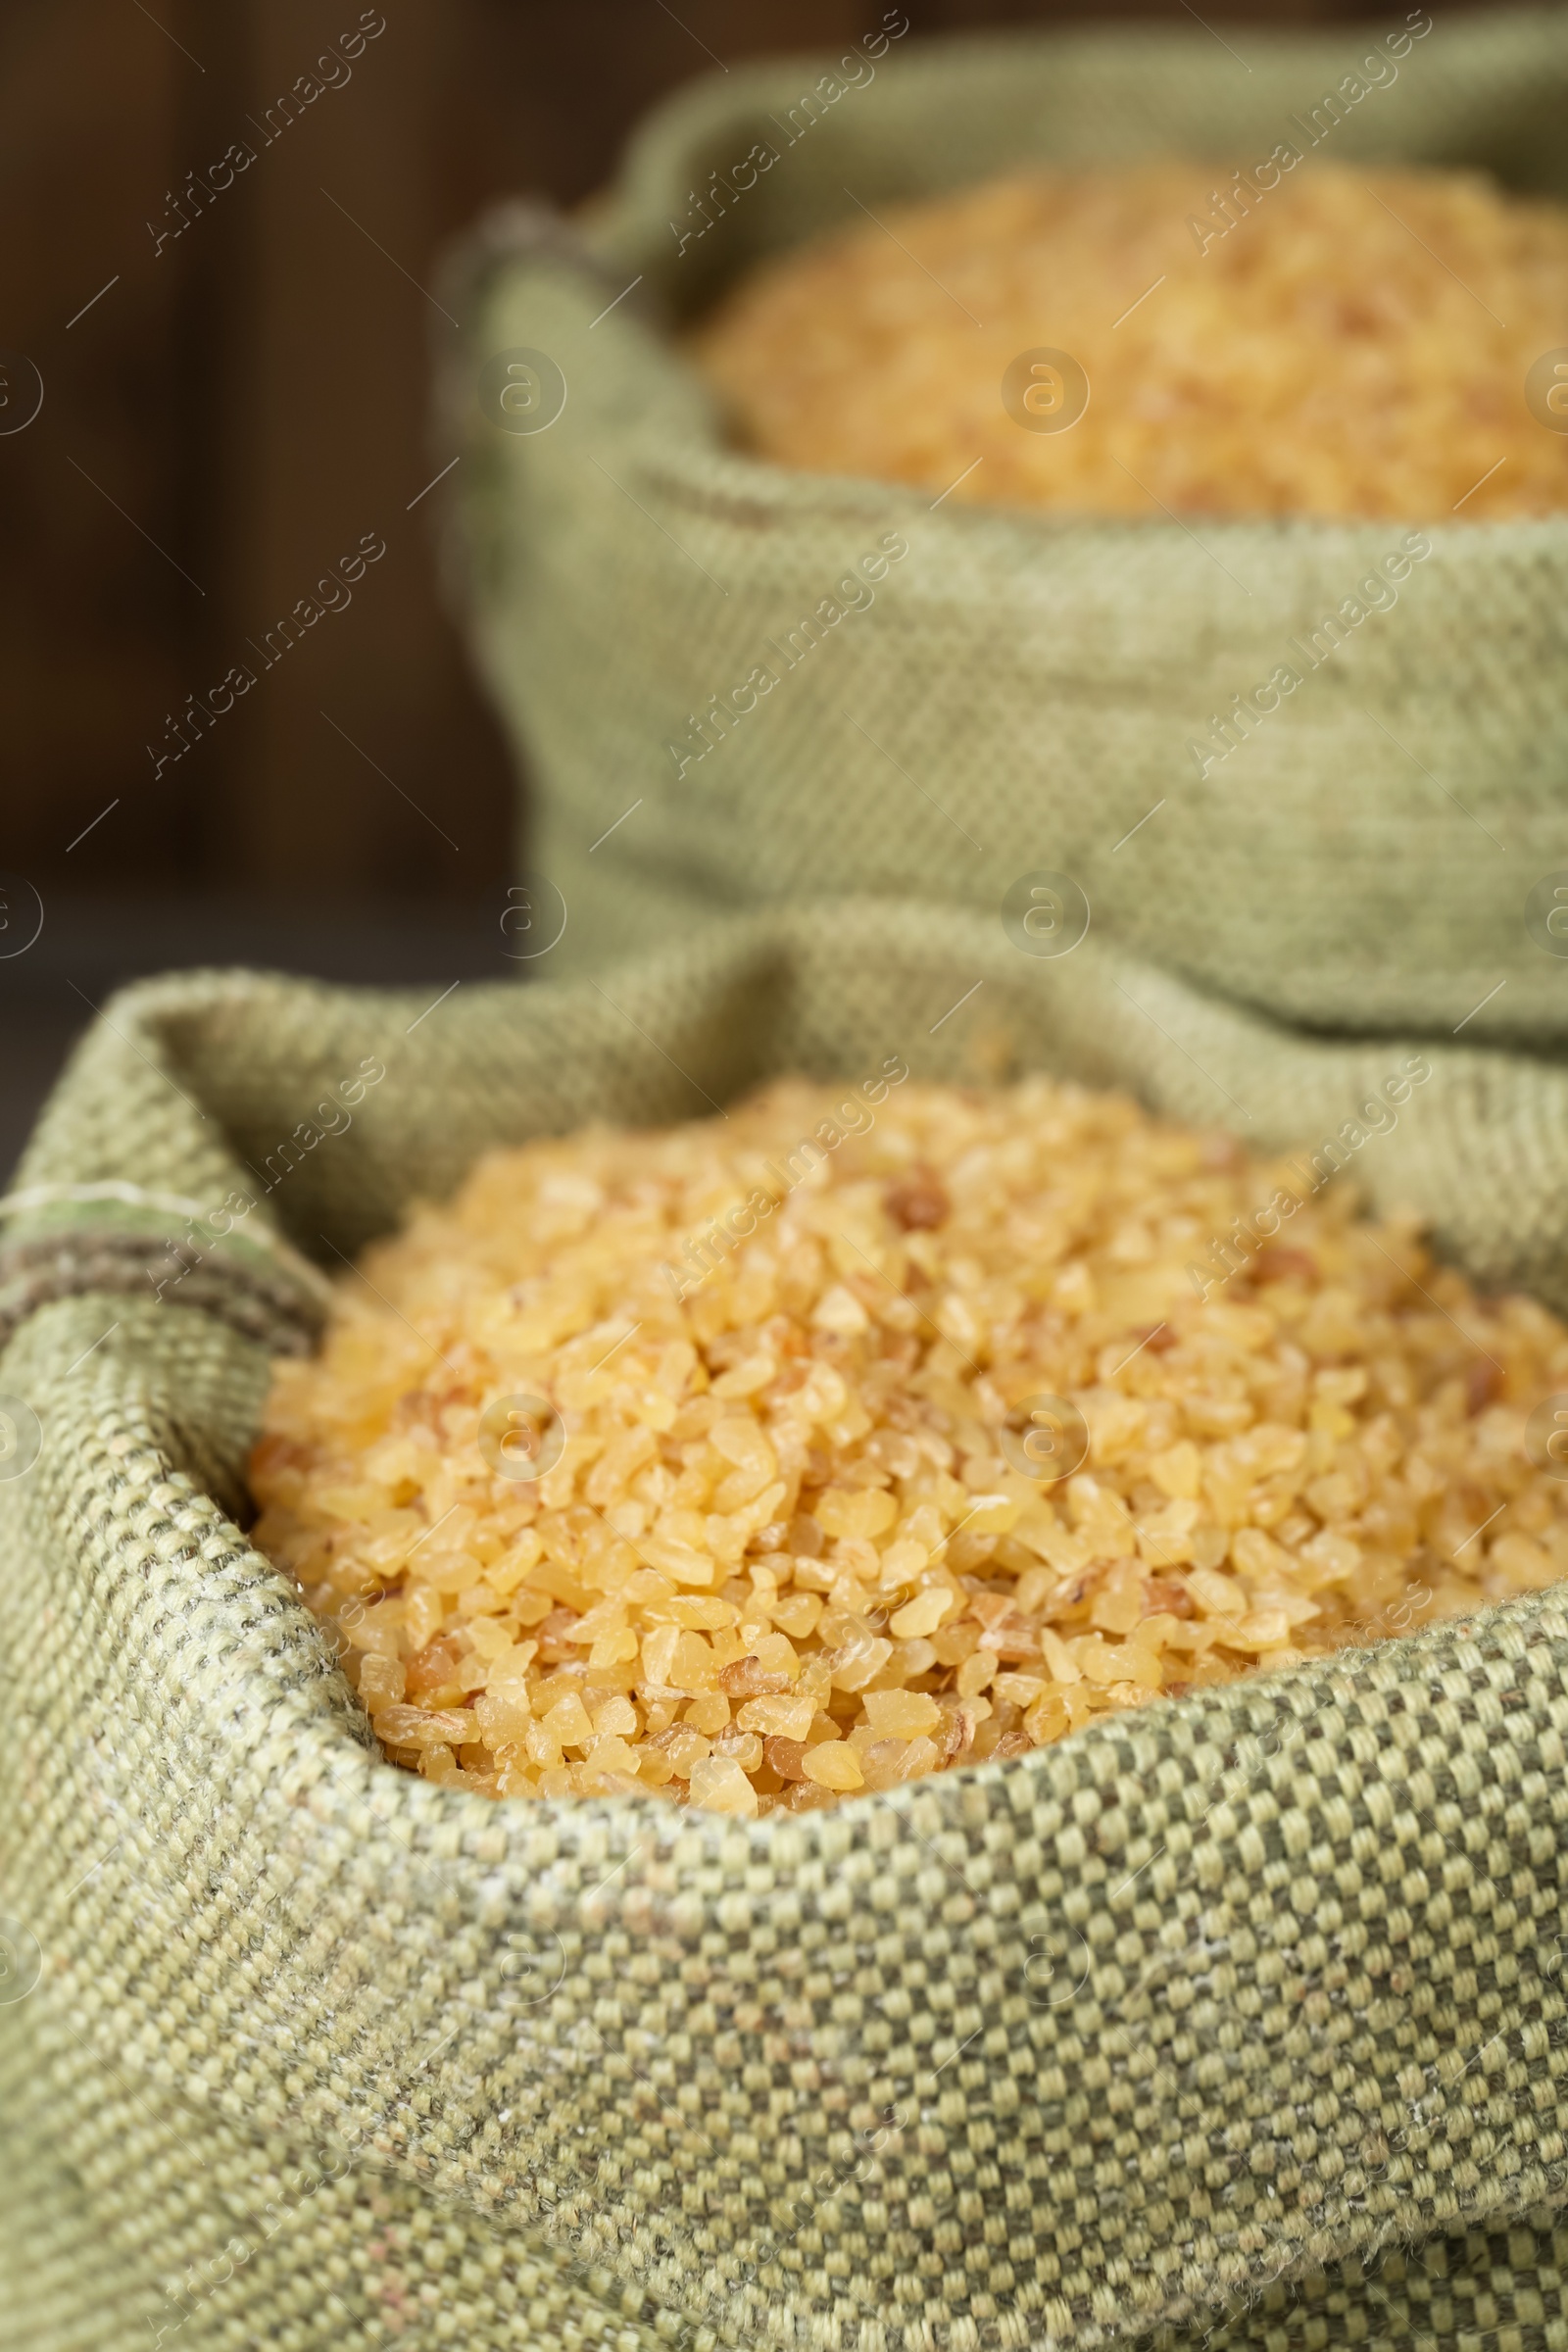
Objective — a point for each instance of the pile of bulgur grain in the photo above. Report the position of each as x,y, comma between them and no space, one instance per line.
1355,343
794,1545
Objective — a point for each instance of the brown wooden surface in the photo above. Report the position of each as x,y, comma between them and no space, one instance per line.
251,397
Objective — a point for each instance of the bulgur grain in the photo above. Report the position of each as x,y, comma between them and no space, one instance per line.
784,1553
1339,350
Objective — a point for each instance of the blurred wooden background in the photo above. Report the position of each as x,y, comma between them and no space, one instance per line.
240,403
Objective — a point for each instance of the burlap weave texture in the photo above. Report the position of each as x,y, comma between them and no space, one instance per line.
1249,1998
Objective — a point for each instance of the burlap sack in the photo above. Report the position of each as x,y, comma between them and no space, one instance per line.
1022,690
1237,2020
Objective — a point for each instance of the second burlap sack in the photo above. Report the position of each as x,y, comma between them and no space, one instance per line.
1017,691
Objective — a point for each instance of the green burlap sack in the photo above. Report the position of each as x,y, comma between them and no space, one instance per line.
1234,2022
1025,687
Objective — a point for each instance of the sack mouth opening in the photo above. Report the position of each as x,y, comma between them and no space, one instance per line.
1488,94
704,471
212,1028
